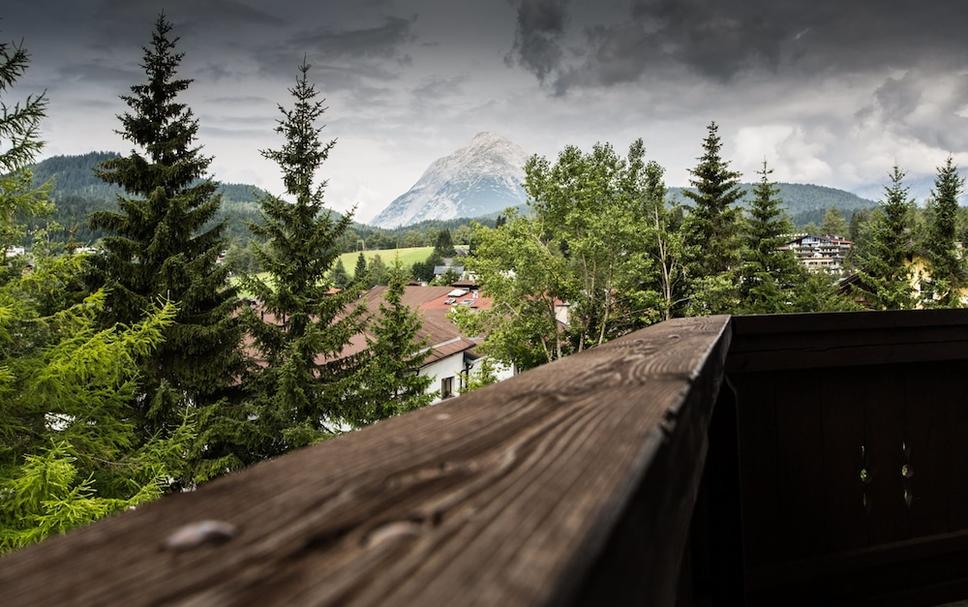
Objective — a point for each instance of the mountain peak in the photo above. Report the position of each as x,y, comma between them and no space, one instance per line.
478,179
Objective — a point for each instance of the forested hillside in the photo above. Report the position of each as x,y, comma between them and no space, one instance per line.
77,191
804,202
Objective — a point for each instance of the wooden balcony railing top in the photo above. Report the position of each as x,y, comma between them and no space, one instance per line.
698,460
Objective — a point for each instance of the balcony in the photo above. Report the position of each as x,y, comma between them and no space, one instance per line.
774,460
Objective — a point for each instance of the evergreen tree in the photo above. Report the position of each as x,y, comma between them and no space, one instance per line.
160,247
712,227
444,245
301,394
768,276
360,273
882,258
378,271
69,453
834,224
390,383
946,264
339,276
19,133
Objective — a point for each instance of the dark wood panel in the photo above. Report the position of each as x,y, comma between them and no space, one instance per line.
884,402
516,494
928,390
800,465
759,478
955,399
845,519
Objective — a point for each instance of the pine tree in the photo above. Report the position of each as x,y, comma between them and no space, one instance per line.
833,223
444,245
948,274
390,382
360,273
882,259
161,247
378,271
768,276
19,132
302,326
339,276
712,228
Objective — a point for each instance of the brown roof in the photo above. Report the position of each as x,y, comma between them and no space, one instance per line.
437,331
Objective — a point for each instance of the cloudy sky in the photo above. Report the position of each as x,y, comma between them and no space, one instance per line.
828,92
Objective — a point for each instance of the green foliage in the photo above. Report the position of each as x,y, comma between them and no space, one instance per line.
444,245
71,451
360,272
882,266
484,375
592,243
424,270
946,265
379,274
664,243
834,223
523,271
338,275
159,249
389,380
712,226
300,395
768,276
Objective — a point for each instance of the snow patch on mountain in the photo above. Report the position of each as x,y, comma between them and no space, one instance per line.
478,179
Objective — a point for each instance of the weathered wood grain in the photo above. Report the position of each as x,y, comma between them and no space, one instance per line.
516,494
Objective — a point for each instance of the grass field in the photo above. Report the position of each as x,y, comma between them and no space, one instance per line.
408,257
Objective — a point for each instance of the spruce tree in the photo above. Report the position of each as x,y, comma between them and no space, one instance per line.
390,383
768,276
712,228
302,326
378,271
339,276
833,223
882,258
19,134
161,245
69,450
444,245
360,274
946,264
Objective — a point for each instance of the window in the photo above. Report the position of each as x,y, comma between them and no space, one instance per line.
447,387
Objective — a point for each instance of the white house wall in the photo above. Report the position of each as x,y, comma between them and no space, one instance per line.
450,366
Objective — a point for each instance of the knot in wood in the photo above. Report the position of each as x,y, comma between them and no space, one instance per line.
200,533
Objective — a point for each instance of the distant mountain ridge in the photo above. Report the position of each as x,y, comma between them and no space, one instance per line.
481,178
804,202
77,191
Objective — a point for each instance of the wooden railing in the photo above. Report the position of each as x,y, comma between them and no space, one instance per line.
571,482
700,461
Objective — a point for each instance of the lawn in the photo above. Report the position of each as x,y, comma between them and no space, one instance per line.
408,257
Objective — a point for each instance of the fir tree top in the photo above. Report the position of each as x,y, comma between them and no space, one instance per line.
713,227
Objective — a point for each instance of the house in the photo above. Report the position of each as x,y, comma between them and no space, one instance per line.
820,253
453,357
448,266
